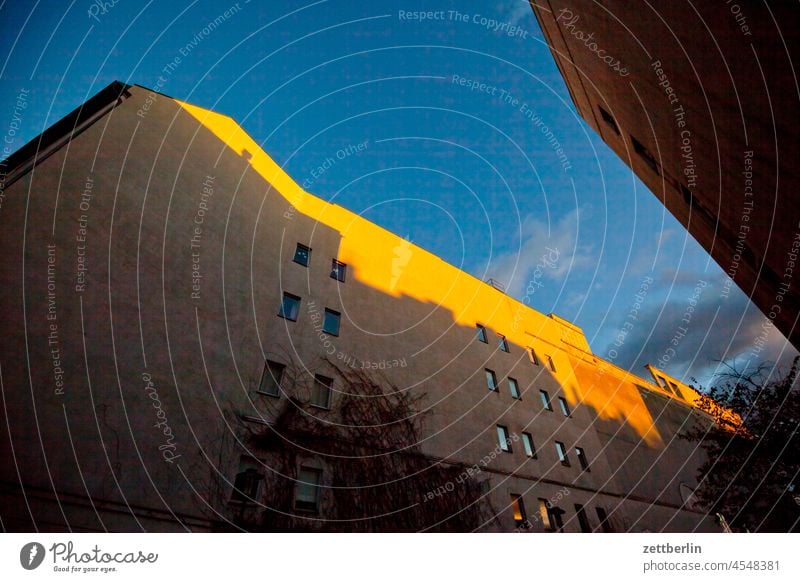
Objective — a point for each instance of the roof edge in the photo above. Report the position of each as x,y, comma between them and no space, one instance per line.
54,137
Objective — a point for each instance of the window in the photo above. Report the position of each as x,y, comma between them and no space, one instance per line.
555,518
545,514
604,523
247,484
513,387
481,333
527,442
610,121
551,364
583,519
645,154
338,270
321,391
306,495
532,355
582,458
331,323
271,378
518,506
491,379
564,406
302,255
503,438
290,308
545,397
503,343
562,453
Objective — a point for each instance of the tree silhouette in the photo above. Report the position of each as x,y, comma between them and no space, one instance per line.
751,475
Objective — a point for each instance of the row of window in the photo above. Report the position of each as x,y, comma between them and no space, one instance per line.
247,487
513,388
552,518
273,376
483,336
290,309
302,256
504,440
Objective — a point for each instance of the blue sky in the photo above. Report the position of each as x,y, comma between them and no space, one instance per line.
461,117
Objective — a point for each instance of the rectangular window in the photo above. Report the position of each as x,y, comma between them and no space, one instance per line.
513,386
545,397
582,458
645,154
544,514
290,307
532,355
503,343
605,524
247,484
610,121
331,323
271,378
564,406
306,496
583,519
551,364
556,518
503,438
481,333
518,506
338,270
302,255
562,453
527,442
491,379
321,391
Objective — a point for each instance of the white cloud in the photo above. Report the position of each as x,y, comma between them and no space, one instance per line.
541,252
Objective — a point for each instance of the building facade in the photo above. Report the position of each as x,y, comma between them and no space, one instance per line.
191,342
701,101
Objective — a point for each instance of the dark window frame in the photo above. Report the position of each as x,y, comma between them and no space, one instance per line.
517,500
544,397
609,119
306,506
646,156
338,318
527,440
583,460
563,454
506,437
267,370
282,311
481,333
301,247
513,388
534,357
320,380
491,379
564,405
338,270
503,344
605,524
247,486
583,518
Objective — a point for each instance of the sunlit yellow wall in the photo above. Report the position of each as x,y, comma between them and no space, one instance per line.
398,268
